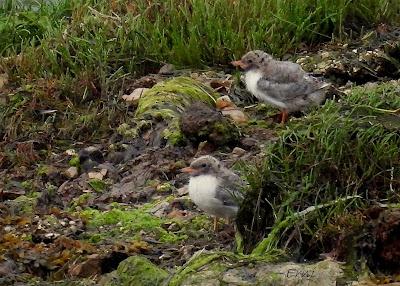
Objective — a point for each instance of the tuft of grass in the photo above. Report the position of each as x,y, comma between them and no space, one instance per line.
339,158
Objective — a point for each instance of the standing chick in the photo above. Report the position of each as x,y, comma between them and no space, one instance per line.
214,188
281,83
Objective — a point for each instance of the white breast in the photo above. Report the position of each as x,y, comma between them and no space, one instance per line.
251,79
202,190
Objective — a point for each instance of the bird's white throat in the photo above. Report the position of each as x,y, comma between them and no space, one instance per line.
202,187
251,79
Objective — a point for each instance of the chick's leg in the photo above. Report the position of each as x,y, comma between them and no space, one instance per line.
284,116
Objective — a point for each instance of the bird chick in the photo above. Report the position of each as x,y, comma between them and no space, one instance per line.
214,188
282,84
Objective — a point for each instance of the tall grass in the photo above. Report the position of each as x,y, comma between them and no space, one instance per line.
75,51
68,36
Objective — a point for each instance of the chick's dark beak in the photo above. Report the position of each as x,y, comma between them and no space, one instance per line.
240,64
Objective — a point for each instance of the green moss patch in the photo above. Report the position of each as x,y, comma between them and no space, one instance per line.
120,222
136,270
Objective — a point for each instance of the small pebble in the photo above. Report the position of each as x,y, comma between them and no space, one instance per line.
237,151
71,172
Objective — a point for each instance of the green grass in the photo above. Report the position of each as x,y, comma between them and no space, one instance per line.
121,36
70,53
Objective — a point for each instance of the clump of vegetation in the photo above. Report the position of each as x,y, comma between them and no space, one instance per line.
136,270
120,222
337,159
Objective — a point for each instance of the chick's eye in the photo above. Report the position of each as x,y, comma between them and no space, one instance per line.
203,165
249,61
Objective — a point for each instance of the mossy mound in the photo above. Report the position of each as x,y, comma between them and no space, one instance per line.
165,102
122,222
136,270
339,159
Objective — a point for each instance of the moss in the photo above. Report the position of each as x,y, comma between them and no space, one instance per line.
81,200
43,170
97,185
225,132
74,162
27,185
195,263
174,134
130,222
169,97
127,131
212,265
24,205
137,270
165,187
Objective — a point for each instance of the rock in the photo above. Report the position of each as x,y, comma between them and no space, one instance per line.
235,114
237,151
167,69
228,108
199,122
90,267
96,175
90,157
183,191
71,172
135,95
135,270
70,152
224,102
212,268
8,267
161,209
249,143
126,192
